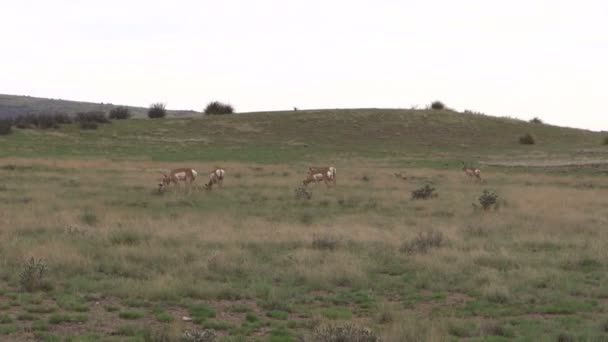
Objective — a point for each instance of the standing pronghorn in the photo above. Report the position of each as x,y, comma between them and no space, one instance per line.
318,174
215,177
186,175
471,172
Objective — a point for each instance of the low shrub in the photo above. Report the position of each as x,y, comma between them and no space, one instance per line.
437,105
32,276
157,111
527,139
425,192
488,199
536,120
120,113
218,108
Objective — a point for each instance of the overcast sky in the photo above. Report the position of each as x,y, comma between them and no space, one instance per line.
519,58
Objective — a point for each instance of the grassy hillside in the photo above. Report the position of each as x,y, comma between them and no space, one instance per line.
14,105
423,137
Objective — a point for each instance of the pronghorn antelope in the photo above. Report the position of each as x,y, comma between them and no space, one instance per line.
471,171
175,176
215,177
318,174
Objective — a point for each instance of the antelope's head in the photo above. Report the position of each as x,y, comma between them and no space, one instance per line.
163,182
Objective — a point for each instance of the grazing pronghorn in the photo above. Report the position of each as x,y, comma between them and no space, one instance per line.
215,177
471,171
318,174
175,176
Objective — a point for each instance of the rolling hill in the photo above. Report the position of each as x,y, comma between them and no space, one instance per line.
409,137
14,105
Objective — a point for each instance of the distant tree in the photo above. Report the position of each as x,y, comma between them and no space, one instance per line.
157,110
437,105
536,120
218,108
120,113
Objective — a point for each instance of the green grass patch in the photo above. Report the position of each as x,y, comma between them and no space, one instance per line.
131,314
337,313
201,312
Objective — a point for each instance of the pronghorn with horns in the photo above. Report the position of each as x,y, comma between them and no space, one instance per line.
216,177
318,174
471,171
186,175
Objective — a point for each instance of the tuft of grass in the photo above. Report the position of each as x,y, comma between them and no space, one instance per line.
337,313
423,242
59,318
201,312
32,276
162,315
325,241
348,332
277,314
131,314
89,217
426,192
126,237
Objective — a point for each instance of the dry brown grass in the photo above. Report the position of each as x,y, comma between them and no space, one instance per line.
248,238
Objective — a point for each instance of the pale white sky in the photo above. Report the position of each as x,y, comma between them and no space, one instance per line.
519,58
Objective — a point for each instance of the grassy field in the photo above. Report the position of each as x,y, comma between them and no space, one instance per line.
253,262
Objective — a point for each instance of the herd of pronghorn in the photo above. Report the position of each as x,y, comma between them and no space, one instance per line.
325,174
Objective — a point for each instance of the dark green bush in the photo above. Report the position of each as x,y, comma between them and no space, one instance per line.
218,108
425,192
438,105
31,278
488,199
120,113
527,139
157,111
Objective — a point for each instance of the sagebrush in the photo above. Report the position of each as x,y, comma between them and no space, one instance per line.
120,113
218,108
157,111
32,276
527,139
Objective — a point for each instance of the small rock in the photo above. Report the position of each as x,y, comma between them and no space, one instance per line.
186,319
